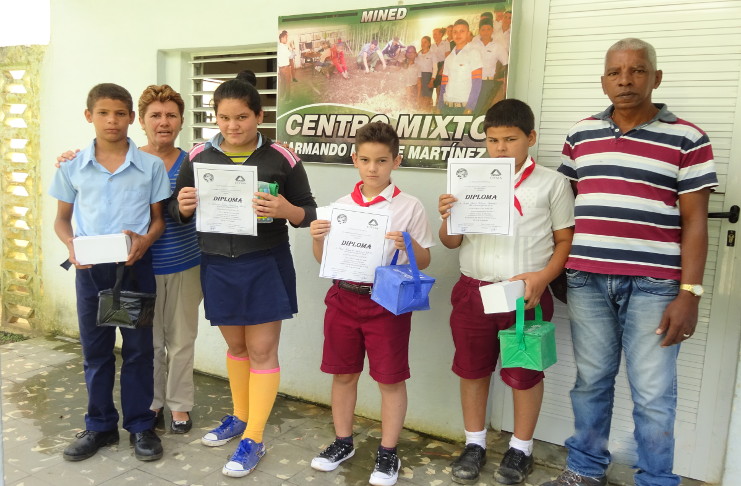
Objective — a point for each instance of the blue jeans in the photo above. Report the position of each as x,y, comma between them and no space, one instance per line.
610,314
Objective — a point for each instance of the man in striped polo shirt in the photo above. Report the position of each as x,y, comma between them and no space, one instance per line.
643,179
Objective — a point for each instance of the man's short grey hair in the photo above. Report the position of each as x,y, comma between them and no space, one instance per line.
633,44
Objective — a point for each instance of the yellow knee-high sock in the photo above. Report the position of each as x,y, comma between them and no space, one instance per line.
238,370
263,390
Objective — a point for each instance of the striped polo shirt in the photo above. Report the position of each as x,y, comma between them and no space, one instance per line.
177,249
626,212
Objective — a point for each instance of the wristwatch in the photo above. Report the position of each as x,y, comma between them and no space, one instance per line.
694,289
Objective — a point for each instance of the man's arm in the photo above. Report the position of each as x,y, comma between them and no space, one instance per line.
141,243
63,229
680,316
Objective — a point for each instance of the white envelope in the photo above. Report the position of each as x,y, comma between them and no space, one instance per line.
502,296
90,250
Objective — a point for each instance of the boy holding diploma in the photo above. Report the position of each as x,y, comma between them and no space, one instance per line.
536,253
354,324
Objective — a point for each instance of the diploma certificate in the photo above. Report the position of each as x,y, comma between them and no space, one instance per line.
485,192
355,244
225,195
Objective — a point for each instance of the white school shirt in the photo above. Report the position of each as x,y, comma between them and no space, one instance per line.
547,205
458,67
426,62
407,214
439,50
490,54
283,55
411,74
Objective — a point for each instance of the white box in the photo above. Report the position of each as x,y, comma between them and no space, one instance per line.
90,250
502,296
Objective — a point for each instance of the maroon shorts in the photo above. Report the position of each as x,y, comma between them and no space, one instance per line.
354,325
475,335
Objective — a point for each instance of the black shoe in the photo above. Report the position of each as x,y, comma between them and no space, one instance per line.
514,468
180,427
87,444
147,446
159,422
570,478
468,465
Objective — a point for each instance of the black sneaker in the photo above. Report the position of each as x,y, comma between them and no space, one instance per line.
87,444
333,455
514,468
570,478
387,468
468,465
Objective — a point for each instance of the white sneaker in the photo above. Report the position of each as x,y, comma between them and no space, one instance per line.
386,471
331,457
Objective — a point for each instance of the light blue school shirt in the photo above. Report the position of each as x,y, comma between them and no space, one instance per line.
106,203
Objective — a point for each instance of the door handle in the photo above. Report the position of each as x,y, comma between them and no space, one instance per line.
731,215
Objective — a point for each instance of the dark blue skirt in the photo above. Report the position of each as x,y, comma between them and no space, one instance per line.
253,288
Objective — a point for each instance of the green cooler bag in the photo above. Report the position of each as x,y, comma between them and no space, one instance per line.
528,344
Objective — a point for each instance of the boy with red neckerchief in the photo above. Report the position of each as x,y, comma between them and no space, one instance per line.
354,324
536,254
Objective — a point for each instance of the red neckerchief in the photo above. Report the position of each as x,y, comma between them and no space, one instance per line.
525,174
359,199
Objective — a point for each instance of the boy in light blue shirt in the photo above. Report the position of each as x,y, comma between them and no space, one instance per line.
112,187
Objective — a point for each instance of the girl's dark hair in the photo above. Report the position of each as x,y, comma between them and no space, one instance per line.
248,75
238,89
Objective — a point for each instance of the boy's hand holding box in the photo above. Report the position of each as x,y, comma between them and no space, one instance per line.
502,296
91,250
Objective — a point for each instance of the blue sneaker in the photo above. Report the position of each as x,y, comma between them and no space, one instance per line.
230,428
245,458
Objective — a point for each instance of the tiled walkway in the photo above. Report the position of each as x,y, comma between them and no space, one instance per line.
44,400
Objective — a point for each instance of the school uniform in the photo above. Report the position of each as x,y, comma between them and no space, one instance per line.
547,204
353,323
106,203
461,82
250,280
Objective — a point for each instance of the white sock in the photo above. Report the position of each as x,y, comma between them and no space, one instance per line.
525,446
478,438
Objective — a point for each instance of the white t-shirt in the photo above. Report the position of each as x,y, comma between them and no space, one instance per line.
407,214
458,67
547,203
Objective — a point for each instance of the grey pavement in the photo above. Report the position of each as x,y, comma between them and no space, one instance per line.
44,401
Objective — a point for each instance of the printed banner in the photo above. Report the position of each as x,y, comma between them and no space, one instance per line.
430,70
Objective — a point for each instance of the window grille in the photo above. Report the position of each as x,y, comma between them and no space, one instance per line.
209,71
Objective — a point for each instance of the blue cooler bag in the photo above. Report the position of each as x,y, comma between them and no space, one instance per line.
402,288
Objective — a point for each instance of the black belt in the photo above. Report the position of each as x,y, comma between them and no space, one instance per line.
354,288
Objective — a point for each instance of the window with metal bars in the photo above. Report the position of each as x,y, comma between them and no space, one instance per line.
209,71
